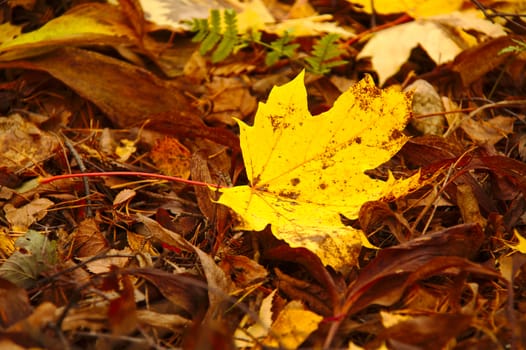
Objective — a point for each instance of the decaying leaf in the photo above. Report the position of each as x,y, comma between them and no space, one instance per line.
171,157
36,254
306,171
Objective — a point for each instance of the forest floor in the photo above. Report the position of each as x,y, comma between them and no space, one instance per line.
266,174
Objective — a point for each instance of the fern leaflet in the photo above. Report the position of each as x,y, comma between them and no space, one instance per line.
323,54
279,48
229,39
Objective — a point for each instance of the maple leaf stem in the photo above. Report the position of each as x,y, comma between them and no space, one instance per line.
128,173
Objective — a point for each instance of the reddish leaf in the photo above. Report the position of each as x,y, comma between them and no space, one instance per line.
185,291
432,331
122,313
383,281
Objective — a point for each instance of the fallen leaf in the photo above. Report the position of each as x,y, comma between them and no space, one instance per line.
243,271
474,63
306,171
488,132
292,326
35,254
260,329
23,217
23,144
14,303
171,157
124,196
171,13
419,331
309,26
33,328
125,150
521,245
86,24
415,8
437,36
88,240
122,311
129,95
385,279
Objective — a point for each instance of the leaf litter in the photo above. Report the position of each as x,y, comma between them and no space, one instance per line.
350,227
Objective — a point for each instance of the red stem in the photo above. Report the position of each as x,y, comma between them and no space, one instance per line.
128,173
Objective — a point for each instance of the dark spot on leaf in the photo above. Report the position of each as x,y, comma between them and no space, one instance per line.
295,181
289,194
358,140
263,188
396,134
323,186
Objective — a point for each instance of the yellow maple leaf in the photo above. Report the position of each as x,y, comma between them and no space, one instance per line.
415,8
305,171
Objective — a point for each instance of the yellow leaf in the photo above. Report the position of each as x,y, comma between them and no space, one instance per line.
247,338
126,150
521,246
305,171
415,8
86,24
254,16
309,26
292,326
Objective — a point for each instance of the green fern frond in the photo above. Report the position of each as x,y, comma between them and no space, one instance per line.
323,54
214,33
281,48
520,47
220,34
199,25
229,38
211,35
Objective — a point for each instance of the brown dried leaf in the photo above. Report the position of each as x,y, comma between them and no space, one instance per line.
183,290
231,98
432,331
88,240
23,217
243,270
14,303
124,196
474,63
488,132
468,205
23,144
31,331
171,157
